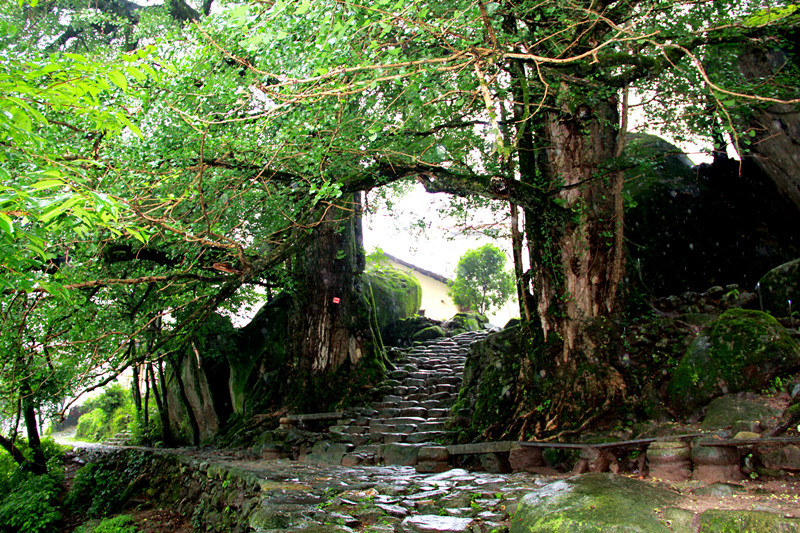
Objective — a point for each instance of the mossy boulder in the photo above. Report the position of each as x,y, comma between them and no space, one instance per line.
491,377
403,332
780,286
742,350
593,503
396,294
724,412
462,322
733,521
687,223
429,333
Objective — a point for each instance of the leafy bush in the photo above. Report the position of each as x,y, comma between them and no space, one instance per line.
91,426
96,490
118,524
108,414
31,505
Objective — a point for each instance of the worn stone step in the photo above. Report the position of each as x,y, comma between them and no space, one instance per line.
389,438
442,396
426,436
355,440
414,411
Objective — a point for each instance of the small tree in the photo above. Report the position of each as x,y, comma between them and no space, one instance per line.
482,281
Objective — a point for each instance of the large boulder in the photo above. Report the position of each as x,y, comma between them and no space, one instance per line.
463,322
690,228
593,503
726,411
780,286
742,350
396,294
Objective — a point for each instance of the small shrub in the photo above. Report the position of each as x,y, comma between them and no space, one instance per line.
96,490
31,506
119,524
91,426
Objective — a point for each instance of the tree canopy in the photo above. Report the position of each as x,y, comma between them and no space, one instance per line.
482,281
176,159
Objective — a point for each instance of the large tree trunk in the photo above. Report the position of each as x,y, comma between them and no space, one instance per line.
39,463
576,258
330,321
576,252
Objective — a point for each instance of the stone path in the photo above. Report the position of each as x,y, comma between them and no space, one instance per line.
225,492
414,412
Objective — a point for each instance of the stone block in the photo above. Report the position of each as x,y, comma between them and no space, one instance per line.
525,459
435,524
399,453
426,436
782,458
716,463
434,453
432,467
670,460
495,463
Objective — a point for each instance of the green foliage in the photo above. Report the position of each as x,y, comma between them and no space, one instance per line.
117,524
97,490
31,506
111,412
482,281
92,426
29,502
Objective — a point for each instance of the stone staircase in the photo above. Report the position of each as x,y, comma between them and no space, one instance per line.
123,438
413,413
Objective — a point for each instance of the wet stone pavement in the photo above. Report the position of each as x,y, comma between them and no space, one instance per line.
302,497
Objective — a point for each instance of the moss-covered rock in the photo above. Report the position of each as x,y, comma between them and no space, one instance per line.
730,521
429,333
593,503
396,294
687,223
780,286
402,332
742,350
462,322
725,411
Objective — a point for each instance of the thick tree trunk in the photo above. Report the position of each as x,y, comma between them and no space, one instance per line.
161,405
330,319
576,252
39,463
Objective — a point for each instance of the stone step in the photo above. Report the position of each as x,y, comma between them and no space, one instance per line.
414,411
426,436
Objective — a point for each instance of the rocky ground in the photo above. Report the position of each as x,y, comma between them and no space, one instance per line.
248,490
292,496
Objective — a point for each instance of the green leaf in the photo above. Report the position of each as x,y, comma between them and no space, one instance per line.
6,224
47,184
303,7
133,127
118,78
54,212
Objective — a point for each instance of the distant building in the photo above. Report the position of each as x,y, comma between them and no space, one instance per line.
436,303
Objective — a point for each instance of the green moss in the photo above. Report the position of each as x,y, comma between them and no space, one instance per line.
593,503
724,521
429,333
462,322
741,350
396,294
